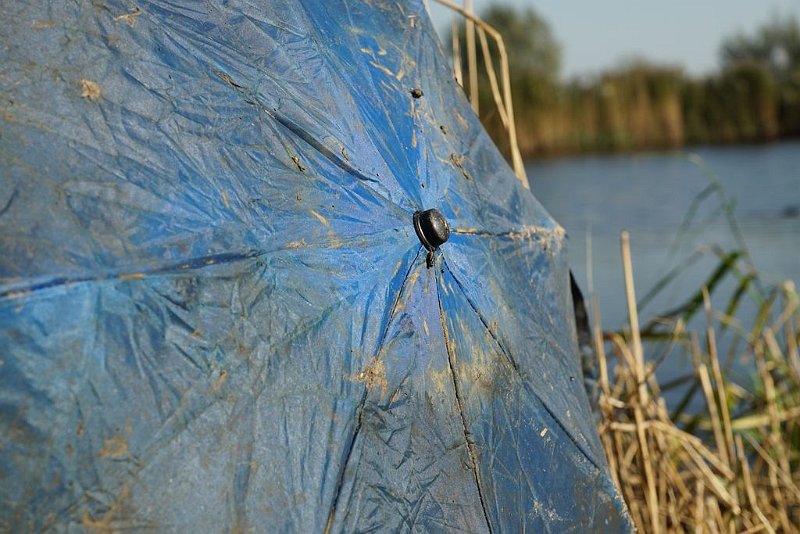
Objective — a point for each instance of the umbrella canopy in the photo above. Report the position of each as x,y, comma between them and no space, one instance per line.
215,311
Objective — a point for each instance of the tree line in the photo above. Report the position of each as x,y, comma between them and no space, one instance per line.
753,97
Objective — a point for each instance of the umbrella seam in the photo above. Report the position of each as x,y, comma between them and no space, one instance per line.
473,456
513,363
357,430
301,134
178,266
190,264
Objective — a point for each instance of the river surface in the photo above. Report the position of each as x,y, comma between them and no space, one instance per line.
651,195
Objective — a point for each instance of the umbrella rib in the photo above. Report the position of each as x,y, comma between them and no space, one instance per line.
201,262
326,152
302,134
319,147
359,421
483,320
19,289
473,456
514,364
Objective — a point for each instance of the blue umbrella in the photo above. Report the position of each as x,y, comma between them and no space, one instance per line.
262,269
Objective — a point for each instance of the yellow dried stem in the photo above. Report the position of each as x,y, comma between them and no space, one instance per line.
715,368
472,58
633,316
490,72
748,485
705,382
516,157
784,474
456,47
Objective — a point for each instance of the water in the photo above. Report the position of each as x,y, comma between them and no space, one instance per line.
596,197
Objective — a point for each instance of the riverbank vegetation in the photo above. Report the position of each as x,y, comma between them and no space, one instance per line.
754,97
732,465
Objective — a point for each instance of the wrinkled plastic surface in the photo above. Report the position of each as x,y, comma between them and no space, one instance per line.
215,314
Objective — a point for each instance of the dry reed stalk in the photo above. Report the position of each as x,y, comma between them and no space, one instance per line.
711,339
705,382
785,476
748,486
490,72
751,422
633,316
719,473
775,428
790,307
638,413
472,58
516,157
456,48
791,334
713,480
605,407
699,510
599,348
623,351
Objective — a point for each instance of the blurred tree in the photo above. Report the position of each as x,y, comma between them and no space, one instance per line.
776,45
534,55
641,105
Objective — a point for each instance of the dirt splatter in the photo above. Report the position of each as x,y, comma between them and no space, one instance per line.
297,163
90,89
441,380
458,161
374,376
220,381
131,276
130,17
382,68
461,120
227,79
103,525
115,447
43,24
320,218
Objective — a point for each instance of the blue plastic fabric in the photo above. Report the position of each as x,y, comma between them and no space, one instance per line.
215,314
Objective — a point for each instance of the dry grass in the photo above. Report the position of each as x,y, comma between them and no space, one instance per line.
502,98
735,465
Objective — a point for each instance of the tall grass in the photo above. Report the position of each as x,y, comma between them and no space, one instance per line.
732,466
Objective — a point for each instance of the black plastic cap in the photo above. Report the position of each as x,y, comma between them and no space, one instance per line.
432,228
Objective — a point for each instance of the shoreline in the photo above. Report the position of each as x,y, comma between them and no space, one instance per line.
545,156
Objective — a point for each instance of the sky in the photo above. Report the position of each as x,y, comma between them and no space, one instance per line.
596,35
